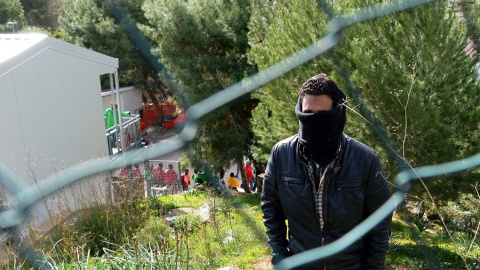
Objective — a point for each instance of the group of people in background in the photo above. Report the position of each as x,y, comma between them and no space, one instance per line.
169,176
166,177
200,178
161,177
135,172
252,173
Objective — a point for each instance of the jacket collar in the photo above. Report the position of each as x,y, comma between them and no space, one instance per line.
338,155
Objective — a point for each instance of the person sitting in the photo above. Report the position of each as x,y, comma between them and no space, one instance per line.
232,182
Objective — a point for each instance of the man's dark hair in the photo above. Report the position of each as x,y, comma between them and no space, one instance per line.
320,84
232,174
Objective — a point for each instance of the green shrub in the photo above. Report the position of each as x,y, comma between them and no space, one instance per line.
98,227
193,223
463,214
154,230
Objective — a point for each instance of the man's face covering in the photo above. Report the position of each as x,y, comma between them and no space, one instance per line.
320,132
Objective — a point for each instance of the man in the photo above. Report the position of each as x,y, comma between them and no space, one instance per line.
324,183
159,175
249,173
185,178
136,173
258,170
108,113
170,175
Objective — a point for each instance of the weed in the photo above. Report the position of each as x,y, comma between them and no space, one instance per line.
154,230
127,256
422,224
192,221
97,228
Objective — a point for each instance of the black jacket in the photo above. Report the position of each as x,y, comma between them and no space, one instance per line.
356,187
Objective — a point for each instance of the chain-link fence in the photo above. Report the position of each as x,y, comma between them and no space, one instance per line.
145,158
144,179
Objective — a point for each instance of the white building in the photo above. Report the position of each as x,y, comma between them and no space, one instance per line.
51,105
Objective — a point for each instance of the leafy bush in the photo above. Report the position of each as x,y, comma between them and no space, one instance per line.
99,227
464,214
193,223
154,231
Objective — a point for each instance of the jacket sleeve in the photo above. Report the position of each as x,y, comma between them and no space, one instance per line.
273,216
376,241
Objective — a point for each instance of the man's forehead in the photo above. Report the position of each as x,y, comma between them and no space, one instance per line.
317,103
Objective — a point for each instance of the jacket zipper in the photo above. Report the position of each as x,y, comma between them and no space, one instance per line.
312,182
324,216
314,194
328,177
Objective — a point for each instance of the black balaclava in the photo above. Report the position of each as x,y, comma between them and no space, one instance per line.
321,132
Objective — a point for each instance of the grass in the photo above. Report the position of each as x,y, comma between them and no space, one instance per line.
162,205
418,249
234,236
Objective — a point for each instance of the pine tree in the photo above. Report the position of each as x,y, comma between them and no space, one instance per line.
410,68
279,29
87,23
419,82
42,13
11,11
203,44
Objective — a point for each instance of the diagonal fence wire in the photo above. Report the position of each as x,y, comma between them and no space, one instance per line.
27,195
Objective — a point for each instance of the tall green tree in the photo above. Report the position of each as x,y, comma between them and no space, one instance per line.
42,13
279,29
87,23
409,68
203,43
420,83
11,11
